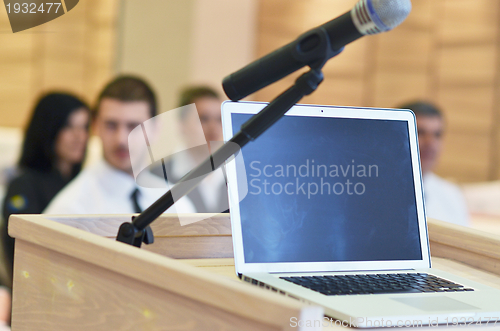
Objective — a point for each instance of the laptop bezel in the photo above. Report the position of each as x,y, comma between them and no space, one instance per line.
245,107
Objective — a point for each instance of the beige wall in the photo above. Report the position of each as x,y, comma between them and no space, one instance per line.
154,42
175,43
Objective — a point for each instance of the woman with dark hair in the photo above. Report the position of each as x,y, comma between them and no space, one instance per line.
53,151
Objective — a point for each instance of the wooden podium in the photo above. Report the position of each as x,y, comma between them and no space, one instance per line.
70,274
67,278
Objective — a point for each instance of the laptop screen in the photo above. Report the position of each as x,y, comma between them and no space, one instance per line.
327,189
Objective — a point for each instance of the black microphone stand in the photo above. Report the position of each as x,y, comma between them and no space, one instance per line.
138,231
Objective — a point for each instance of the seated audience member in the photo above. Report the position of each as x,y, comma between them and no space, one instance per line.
483,197
210,196
52,154
443,199
108,186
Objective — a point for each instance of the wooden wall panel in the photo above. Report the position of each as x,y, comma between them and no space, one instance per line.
100,38
467,21
341,91
16,73
465,80
281,21
74,52
446,51
494,170
413,57
468,109
392,88
468,65
464,156
402,60
350,63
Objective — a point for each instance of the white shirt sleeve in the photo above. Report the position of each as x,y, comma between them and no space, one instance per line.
444,200
64,201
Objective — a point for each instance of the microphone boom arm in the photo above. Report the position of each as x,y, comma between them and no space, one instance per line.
138,231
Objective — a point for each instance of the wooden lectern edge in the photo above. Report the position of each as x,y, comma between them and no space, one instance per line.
472,247
472,240
159,271
167,225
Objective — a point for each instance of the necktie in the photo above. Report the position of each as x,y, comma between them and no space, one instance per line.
135,203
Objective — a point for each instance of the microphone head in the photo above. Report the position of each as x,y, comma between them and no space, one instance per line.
375,16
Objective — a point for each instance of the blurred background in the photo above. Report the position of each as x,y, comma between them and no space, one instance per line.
447,51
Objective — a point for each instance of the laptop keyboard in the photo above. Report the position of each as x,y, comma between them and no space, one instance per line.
377,283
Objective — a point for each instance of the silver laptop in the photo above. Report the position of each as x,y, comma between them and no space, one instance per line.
327,207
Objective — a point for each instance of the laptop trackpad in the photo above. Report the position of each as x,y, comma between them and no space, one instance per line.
435,303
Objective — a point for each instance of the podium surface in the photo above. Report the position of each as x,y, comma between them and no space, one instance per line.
69,279
70,274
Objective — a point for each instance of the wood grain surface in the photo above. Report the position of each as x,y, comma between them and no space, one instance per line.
69,279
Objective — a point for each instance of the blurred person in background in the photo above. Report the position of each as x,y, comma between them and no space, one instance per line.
52,154
53,151
443,200
210,196
108,186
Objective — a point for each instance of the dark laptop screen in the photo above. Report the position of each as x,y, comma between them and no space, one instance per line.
329,189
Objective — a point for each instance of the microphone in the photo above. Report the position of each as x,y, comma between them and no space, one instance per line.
367,17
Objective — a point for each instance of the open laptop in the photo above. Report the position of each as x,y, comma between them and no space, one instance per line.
332,213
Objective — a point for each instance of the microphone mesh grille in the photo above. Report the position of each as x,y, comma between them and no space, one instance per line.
392,12
375,16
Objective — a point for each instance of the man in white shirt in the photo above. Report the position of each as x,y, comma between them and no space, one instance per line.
108,186
443,199
210,196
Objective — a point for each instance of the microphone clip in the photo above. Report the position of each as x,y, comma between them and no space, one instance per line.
314,48
128,233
